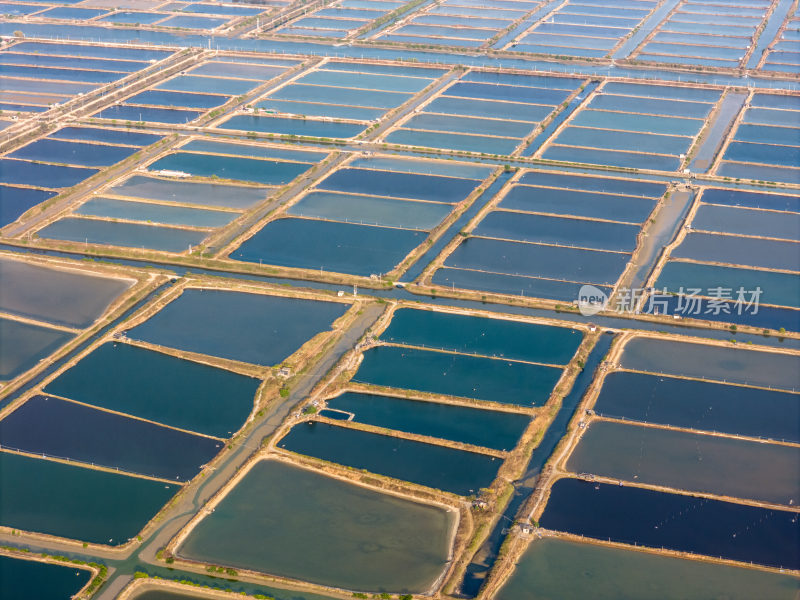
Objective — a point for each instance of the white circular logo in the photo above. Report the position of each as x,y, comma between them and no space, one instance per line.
591,300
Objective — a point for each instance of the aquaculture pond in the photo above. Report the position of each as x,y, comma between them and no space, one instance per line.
537,260
329,246
536,199
582,29
64,297
206,86
252,328
497,430
190,192
547,570
21,579
702,405
289,126
162,592
50,426
514,340
231,167
36,173
690,461
415,186
509,284
102,51
75,153
111,377
94,506
474,114
23,345
371,210
319,527
364,218
439,467
480,378
658,126
610,185
135,112
737,250
684,523
720,363
103,135
149,212
15,201
543,229
747,221
117,233
782,289
212,85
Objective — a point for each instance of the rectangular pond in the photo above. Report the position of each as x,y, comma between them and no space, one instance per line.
747,221
16,201
628,209
93,506
329,246
438,467
50,426
60,296
515,285
104,135
556,262
23,578
720,363
371,210
254,170
453,141
542,229
175,392
513,340
414,186
517,111
38,173
286,126
689,461
652,106
624,140
490,429
253,328
629,159
745,199
513,93
684,523
177,99
491,380
190,192
702,405
23,345
781,289
319,527
640,123
547,569
610,185
133,112
149,212
738,250
117,233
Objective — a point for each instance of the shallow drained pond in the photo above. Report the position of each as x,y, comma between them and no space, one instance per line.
548,569
296,523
